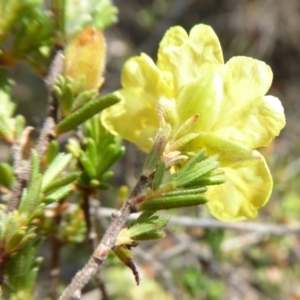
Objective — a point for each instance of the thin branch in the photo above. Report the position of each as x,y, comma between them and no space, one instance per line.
47,132
21,167
107,243
92,239
263,228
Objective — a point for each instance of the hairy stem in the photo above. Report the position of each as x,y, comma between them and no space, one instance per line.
106,244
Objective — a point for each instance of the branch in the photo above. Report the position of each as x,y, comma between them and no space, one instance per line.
22,169
262,228
107,243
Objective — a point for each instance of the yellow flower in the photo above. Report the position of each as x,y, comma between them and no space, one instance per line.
233,115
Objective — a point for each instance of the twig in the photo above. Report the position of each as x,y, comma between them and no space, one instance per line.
22,168
107,243
262,228
47,132
92,239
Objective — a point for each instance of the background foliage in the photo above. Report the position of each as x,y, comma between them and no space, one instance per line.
195,261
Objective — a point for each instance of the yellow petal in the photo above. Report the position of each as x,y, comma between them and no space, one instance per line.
247,188
182,58
254,124
245,79
141,72
135,118
203,97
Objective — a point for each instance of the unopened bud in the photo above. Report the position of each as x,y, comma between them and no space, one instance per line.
85,60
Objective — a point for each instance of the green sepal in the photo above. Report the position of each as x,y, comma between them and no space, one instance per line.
58,194
160,142
55,168
172,202
186,127
86,112
7,178
183,141
159,175
67,179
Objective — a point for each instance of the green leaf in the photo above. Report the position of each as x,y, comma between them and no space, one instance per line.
31,195
83,98
186,191
63,90
67,179
191,173
22,269
58,194
30,202
88,167
86,112
6,175
115,153
159,175
172,202
55,168
52,151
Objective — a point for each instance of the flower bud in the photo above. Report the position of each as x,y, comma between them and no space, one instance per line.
85,60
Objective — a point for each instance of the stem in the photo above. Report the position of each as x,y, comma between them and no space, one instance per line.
22,170
107,243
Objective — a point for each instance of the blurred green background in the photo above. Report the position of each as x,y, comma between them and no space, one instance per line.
195,262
